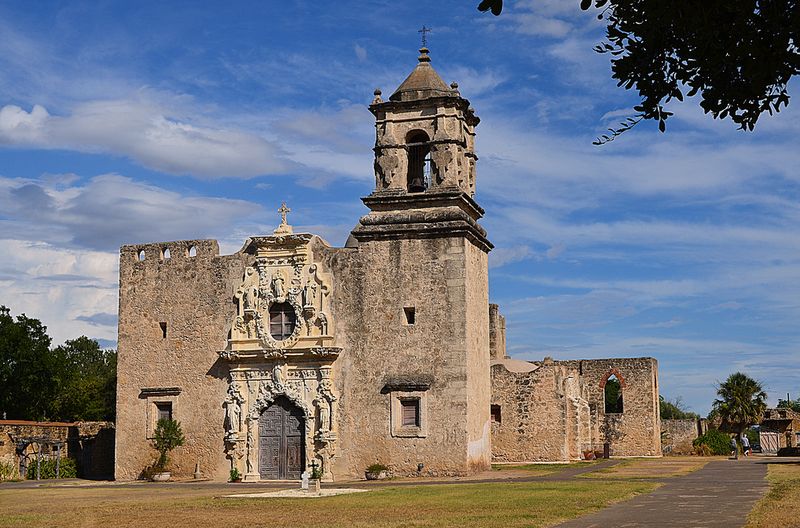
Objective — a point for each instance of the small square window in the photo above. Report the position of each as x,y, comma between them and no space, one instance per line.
409,413
163,330
496,416
163,411
411,315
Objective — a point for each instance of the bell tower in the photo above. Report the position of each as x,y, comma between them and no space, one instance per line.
424,161
417,353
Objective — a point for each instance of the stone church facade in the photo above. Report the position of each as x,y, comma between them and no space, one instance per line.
291,353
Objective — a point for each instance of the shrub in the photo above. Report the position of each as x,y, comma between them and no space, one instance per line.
8,471
714,442
235,475
377,468
67,468
167,436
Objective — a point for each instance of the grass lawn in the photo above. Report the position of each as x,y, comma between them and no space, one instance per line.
536,469
643,468
482,505
781,505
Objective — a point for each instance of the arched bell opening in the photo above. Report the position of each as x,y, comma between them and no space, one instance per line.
419,161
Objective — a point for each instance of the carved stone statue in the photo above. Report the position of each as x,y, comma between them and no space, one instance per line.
278,378
442,158
385,169
247,294
324,414
278,285
233,410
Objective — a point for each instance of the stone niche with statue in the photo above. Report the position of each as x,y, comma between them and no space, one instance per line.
280,405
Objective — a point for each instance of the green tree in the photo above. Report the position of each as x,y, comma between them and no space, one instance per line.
737,55
74,381
87,381
741,402
674,410
790,404
26,368
167,436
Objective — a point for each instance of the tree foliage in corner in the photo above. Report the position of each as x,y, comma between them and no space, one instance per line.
71,382
739,55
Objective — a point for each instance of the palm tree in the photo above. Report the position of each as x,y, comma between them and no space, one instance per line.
741,403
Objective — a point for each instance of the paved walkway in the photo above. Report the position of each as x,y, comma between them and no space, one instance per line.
719,495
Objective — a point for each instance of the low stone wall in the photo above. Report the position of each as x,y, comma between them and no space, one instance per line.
677,436
90,444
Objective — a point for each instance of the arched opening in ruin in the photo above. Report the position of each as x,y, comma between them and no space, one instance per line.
166,254
192,252
613,395
140,255
419,161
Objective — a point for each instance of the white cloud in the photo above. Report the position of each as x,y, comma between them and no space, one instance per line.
142,130
111,210
361,52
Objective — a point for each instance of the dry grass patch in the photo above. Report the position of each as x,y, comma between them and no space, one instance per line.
465,505
644,468
781,505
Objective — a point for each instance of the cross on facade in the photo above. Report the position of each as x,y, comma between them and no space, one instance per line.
284,211
424,32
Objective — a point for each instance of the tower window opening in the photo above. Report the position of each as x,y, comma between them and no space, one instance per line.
419,162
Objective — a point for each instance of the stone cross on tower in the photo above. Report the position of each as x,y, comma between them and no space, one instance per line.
424,32
284,228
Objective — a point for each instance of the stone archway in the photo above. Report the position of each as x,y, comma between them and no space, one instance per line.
281,441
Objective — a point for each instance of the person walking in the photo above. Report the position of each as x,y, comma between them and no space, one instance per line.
734,448
746,445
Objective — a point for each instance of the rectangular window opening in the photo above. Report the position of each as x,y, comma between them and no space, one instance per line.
163,411
496,415
163,330
411,316
409,413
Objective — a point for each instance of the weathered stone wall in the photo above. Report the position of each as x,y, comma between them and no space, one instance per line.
637,430
497,333
194,297
677,436
554,410
532,425
96,461
374,284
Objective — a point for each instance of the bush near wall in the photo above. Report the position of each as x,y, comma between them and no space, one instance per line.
8,471
714,442
47,470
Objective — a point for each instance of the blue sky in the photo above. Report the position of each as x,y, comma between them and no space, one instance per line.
131,122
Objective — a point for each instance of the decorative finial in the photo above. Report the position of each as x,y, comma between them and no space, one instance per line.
424,32
284,228
377,99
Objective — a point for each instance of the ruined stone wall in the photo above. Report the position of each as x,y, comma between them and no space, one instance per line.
637,430
532,413
374,287
497,333
91,463
677,436
193,295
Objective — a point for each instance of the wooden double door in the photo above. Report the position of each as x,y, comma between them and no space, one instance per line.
281,441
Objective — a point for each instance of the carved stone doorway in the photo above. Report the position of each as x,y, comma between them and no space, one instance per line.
281,429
